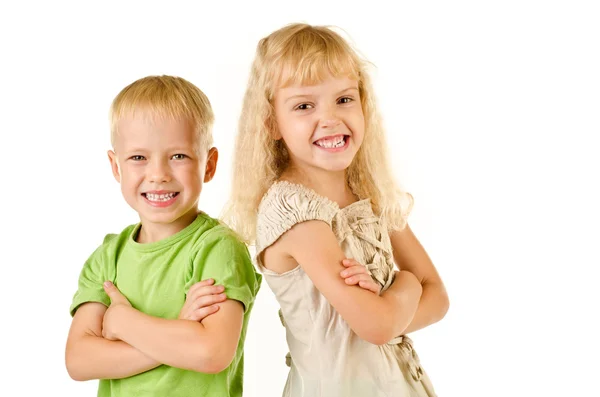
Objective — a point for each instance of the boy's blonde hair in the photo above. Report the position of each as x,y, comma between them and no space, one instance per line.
165,97
305,54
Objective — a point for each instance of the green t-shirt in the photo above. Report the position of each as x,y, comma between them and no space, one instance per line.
155,277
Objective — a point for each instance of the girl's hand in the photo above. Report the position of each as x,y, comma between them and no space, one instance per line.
357,274
202,300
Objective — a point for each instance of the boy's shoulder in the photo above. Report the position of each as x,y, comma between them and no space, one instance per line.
214,229
209,231
113,243
112,240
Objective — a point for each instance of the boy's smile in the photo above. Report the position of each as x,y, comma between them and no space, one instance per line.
160,198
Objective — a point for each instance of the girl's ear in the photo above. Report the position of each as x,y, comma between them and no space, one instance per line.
271,125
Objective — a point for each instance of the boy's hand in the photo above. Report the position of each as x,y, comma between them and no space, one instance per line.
202,300
116,299
355,273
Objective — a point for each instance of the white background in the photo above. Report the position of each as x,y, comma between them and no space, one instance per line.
491,108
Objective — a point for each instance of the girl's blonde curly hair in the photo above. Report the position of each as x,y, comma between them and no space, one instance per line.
305,54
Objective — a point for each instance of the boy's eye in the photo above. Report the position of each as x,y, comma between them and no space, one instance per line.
345,99
303,106
137,158
179,156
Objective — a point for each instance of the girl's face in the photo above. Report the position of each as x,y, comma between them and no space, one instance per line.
322,125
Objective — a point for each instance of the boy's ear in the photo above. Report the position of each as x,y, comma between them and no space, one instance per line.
114,165
211,164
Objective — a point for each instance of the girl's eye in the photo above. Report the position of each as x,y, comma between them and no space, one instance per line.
345,100
137,158
179,156
303,106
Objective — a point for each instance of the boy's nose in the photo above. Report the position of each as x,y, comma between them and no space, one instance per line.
159,173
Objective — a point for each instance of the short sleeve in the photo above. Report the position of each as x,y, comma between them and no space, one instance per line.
93,275
220,255
286,204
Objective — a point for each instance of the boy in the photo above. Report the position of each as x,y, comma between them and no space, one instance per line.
139,290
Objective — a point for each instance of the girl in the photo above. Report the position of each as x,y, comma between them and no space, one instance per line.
312,187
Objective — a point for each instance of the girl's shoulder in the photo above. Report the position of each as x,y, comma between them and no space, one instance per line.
286,204
284,192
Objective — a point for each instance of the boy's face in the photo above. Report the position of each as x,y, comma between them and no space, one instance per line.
161,169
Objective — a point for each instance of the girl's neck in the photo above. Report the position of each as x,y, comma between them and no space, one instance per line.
328,184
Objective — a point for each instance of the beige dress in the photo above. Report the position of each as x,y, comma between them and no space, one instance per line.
327,359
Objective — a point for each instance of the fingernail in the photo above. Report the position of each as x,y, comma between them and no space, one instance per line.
210,281
107,284
344,273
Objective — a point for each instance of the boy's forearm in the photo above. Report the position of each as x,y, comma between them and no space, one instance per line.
93,357
178,343
433,306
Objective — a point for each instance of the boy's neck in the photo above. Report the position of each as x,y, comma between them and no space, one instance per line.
151,232
328,184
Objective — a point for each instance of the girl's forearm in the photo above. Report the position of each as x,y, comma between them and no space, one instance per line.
404,294
433,306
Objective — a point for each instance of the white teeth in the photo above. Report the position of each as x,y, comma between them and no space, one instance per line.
331,143
160,197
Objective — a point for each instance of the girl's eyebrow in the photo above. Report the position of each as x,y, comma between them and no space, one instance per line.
348,89
298,96
308,95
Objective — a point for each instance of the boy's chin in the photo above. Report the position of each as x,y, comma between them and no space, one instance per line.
166,216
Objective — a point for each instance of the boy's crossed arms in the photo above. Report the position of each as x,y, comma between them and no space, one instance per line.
119,341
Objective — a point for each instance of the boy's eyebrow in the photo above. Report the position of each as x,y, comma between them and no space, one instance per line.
134,150
180,149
